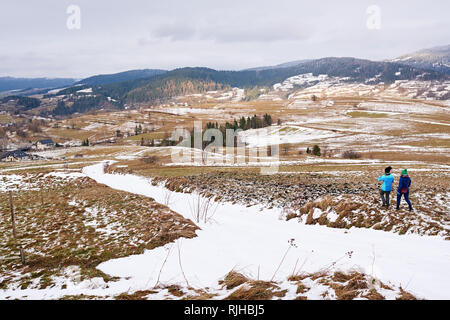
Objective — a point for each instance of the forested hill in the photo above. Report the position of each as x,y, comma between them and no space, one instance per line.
437,59
104,79
158,86
190,80
10,83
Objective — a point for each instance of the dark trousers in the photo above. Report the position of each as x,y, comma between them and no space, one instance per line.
385,197
399,198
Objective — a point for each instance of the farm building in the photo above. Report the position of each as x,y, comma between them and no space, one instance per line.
44,144
16,155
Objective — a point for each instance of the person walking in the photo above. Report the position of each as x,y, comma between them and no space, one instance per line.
386,188
403,189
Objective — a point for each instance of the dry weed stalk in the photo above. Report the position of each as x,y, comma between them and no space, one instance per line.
203,208
181,266
167,197
291,244
162,266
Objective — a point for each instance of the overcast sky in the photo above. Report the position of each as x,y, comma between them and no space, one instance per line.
165,34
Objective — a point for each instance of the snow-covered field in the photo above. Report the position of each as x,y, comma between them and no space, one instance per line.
403,108
253,240
280,135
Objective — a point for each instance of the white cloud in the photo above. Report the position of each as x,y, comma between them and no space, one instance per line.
117,36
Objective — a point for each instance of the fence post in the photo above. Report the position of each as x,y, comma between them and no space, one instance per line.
13,222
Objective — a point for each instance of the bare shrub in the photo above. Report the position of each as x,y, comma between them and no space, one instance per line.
149,159
350,154
34,127
21,133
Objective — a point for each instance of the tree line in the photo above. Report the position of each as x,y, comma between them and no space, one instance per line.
254,122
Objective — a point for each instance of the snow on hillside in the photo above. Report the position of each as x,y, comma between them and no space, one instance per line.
401,108
88,90
307,85
184,110
299,80
282,134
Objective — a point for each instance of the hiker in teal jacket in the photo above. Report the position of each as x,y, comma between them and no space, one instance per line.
386,188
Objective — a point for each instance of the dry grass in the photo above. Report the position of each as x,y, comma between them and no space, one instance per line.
138,295
350,290
405,295
365,212
64,222
359,114
373,295
432,157
81,297
175,290
301,288
344,286
257,290
149,136
233,279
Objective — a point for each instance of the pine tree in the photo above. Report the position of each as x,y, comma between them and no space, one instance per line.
316,150
267,120
242,123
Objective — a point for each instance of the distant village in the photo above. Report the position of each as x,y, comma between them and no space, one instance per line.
22,154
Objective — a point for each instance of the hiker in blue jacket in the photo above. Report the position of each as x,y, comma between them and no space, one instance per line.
403,189
386,188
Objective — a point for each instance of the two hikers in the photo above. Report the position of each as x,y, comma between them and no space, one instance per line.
402,190
386,188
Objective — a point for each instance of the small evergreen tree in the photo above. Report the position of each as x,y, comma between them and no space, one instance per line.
267,120
242,123
316,150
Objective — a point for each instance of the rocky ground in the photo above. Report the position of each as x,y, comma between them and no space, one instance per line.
337,199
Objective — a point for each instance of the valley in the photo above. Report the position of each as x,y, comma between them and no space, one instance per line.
270,192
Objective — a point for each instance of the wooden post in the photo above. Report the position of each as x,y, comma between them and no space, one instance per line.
13,219
13,222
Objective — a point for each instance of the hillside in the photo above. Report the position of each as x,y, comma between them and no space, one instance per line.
159,86
10,83
437,59
352,70
120,77
282,65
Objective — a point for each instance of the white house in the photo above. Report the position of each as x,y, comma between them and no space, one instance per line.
44,144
